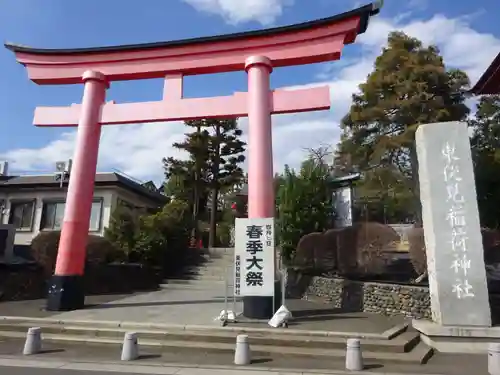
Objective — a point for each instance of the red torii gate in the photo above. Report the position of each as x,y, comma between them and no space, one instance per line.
257,52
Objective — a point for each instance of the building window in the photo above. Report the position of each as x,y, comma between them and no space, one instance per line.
96,216
21,215
53,214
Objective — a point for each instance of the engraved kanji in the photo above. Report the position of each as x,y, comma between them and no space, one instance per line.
455,217
463,289
461,264
454,194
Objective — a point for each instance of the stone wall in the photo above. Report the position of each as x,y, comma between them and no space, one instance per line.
351,296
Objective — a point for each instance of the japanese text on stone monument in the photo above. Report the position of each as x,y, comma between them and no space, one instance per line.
457,223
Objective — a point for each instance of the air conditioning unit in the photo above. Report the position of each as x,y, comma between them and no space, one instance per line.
63,170
64,166
60,166
4,168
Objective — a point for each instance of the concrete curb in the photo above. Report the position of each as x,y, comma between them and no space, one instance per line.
390,333
169,368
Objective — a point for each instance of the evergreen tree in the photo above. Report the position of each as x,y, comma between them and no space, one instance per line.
410,85
224,163
215,155
186,179
485,143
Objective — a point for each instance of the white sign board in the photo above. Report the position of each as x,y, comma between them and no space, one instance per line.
342,198
254,257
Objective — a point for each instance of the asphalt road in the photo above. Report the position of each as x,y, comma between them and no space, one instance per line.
49,371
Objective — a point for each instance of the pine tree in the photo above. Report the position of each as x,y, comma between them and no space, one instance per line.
186,179
409,86
215,155
224,163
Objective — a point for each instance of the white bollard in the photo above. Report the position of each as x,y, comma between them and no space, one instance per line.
130,349
33,343
354,357
494,358
242,354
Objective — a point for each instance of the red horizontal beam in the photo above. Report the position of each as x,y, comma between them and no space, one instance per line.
283,101
307,46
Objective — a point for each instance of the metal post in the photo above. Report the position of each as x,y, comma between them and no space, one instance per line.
234,300
274,301
283,286
225,315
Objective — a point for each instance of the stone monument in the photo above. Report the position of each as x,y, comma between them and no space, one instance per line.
455,260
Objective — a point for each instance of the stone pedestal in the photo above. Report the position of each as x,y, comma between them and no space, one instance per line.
457,276
457,339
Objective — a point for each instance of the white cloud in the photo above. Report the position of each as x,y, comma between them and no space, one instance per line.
240,11
137,149
418,4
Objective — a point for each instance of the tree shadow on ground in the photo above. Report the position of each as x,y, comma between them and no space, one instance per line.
151,304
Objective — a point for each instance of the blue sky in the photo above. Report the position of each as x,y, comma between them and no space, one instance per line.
466,32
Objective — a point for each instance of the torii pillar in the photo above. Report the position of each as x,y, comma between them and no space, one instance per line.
66,289
260,160
257,52
261,202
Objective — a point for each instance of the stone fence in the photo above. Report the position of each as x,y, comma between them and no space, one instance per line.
354,296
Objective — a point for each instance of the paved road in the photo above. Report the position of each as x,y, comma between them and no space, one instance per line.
42,371
110,369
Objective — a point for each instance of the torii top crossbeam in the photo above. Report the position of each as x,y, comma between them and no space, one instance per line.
305,43
311,42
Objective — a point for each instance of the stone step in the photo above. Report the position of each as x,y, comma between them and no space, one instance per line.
197,287
209,271
406,348
220,277
195,282
222,262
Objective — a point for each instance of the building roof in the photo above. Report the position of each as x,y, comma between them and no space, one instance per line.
489,83
363,12
102,180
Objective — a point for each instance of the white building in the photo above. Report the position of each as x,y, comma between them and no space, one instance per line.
36,203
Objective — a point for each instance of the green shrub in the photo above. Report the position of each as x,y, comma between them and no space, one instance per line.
304,205
122,231
45,245
163,238
360,249
418,255
156,239
224,234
